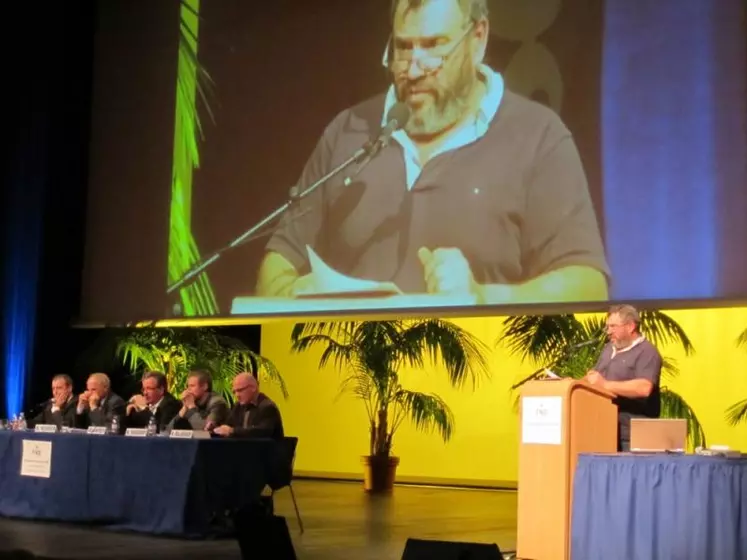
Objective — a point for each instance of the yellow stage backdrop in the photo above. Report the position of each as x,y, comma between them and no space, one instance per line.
332,428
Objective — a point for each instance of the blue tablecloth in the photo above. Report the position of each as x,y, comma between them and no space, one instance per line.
662,507
155,485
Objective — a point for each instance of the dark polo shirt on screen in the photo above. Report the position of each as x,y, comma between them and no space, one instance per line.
642,361
515,202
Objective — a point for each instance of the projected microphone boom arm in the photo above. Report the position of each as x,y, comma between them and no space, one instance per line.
359,156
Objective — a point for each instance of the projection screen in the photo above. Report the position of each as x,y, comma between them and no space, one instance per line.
557,152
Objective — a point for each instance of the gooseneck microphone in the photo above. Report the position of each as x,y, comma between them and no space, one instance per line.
397,118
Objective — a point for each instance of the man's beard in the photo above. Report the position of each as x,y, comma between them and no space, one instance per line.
444,104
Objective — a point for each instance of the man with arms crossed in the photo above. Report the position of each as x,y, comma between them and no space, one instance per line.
481,194
97,405
630,368
201,408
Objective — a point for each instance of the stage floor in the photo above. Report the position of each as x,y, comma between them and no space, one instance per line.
340,522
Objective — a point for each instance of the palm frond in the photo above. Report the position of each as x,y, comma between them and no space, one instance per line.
342,355
427,411
360,384
539,339
742,339
737,413
661,329
674,406
669,367
341,331
197,298
461,353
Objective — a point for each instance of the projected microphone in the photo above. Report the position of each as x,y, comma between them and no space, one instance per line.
582,344
396,119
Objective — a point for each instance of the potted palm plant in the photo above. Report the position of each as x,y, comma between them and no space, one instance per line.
570,346
372,355
176,351
737,412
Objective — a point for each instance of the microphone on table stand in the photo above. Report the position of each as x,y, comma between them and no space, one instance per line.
397,117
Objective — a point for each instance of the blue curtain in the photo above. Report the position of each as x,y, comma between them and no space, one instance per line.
674,147
22,218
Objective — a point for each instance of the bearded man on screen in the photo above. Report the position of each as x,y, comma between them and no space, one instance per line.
481,194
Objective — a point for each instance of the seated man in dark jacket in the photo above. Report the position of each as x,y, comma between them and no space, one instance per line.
60,410
155,401
201,408
98,405
254,414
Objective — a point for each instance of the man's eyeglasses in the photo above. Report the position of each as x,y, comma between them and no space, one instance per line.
240,389
428,60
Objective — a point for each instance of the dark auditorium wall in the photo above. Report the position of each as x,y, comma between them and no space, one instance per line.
47,123
51,65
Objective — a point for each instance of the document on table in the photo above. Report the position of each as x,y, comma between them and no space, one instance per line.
330,283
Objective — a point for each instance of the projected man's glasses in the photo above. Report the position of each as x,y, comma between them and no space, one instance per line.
429,60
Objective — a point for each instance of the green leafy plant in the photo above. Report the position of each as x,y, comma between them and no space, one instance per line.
192,80
737,412
176,351
570,346
372,354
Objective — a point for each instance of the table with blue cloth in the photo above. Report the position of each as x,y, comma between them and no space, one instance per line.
156,485
659,506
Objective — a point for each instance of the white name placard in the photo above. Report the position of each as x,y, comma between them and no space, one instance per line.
136,432
97,430
45,429
36,458
542,420
181,434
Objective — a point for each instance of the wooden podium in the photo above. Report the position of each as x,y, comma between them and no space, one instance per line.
560,418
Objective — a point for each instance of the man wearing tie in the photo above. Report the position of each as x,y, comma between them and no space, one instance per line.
60,410
254,414
97,405
155,402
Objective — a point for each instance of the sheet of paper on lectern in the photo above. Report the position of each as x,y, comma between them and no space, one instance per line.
36,458
331,283
542,420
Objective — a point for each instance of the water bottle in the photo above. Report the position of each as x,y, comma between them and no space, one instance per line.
114,428
23,425
152,426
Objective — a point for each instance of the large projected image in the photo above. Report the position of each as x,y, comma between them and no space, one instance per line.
351,156
437,185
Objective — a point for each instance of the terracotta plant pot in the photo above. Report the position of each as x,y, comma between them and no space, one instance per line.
379,473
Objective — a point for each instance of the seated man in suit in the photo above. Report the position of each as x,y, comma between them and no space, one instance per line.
254,414
97,405
155,401
60,410
200,406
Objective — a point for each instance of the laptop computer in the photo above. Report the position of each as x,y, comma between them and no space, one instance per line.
658,435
